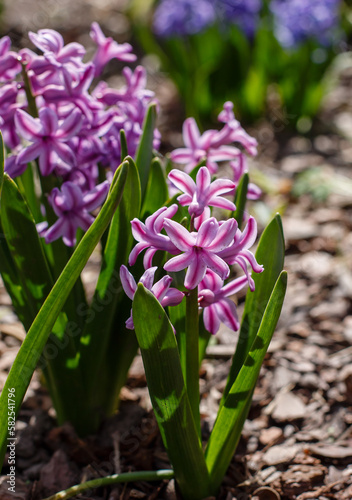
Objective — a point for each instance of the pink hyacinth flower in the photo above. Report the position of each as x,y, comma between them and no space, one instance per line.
203,192
108,49
213,297
199,147
149,236
200,250
238,252
161,289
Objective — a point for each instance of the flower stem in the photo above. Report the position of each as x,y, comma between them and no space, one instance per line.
115,478
190,352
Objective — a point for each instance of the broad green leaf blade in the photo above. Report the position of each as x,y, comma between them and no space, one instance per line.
2,161
227,429
13,284
168,394
241,199
33,345
157,191
24,244
270,253
100,324
145,149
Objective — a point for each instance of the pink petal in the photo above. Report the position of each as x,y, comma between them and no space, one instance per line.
216,264
220,186
148,257
96,196
249,234
179,236
29,153
257,268
71,125
223,153
191,133
137,249
182,181
181,155
26,125
207,232
160,288
64,151
167,214
216,201
212,281
127,281
225,236
234,286
179,262
211,320
173,297
227,313
147,277
195,272
203,180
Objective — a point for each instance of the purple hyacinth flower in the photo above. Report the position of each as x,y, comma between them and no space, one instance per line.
184,17
48,138
72,206
108,49
238,251
203,192
9,94
161,289
213,297
9,63
149,236
242,13
297,20
200,250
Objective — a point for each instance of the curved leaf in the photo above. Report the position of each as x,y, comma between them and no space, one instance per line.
168,394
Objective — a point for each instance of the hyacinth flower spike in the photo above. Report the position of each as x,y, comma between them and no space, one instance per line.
203,192
200,250
161,289
213,297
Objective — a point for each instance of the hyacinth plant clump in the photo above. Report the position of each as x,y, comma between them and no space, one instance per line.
178,246
240,50
66,134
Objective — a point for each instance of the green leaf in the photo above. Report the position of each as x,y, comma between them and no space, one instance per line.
2,161
24,244
228,426
145,148
157,191
241,199
270,253
100,317
33,345
123,144
168,394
